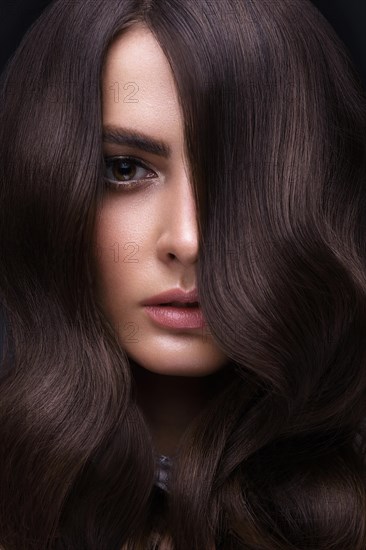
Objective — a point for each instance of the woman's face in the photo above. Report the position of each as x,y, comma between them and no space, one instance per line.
147,236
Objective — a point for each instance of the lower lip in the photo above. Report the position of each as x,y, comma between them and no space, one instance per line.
176,317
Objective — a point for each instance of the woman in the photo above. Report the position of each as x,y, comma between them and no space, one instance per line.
215,149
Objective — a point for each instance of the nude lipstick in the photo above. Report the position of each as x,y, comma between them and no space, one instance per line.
176,309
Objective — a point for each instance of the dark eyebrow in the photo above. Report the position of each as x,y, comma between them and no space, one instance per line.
124,136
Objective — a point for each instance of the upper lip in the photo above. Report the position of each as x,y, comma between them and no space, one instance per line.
173,295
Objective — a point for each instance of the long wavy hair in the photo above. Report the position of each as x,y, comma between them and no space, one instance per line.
275,133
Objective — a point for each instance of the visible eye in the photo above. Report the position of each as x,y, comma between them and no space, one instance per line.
124,170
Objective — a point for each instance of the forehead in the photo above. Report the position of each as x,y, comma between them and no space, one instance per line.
138,85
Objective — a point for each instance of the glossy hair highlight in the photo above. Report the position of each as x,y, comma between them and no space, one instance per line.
275,134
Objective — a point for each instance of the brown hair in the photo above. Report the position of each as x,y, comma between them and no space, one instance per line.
275,133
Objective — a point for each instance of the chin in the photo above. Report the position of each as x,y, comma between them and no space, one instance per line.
183,366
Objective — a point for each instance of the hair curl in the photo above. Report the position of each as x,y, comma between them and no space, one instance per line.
275,133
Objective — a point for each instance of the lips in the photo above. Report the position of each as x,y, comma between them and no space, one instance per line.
181,304
173,317
175,296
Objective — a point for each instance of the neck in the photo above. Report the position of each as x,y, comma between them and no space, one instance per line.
170,403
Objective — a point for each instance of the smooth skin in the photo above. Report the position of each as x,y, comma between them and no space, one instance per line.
176,370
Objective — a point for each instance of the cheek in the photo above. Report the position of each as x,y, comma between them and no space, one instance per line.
111,234
108,236
120,237
121,221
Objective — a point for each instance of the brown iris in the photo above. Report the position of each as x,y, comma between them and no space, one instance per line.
123,169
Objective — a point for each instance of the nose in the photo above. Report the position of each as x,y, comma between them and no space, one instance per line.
178,241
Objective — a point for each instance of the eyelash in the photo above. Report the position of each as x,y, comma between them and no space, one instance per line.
120,186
